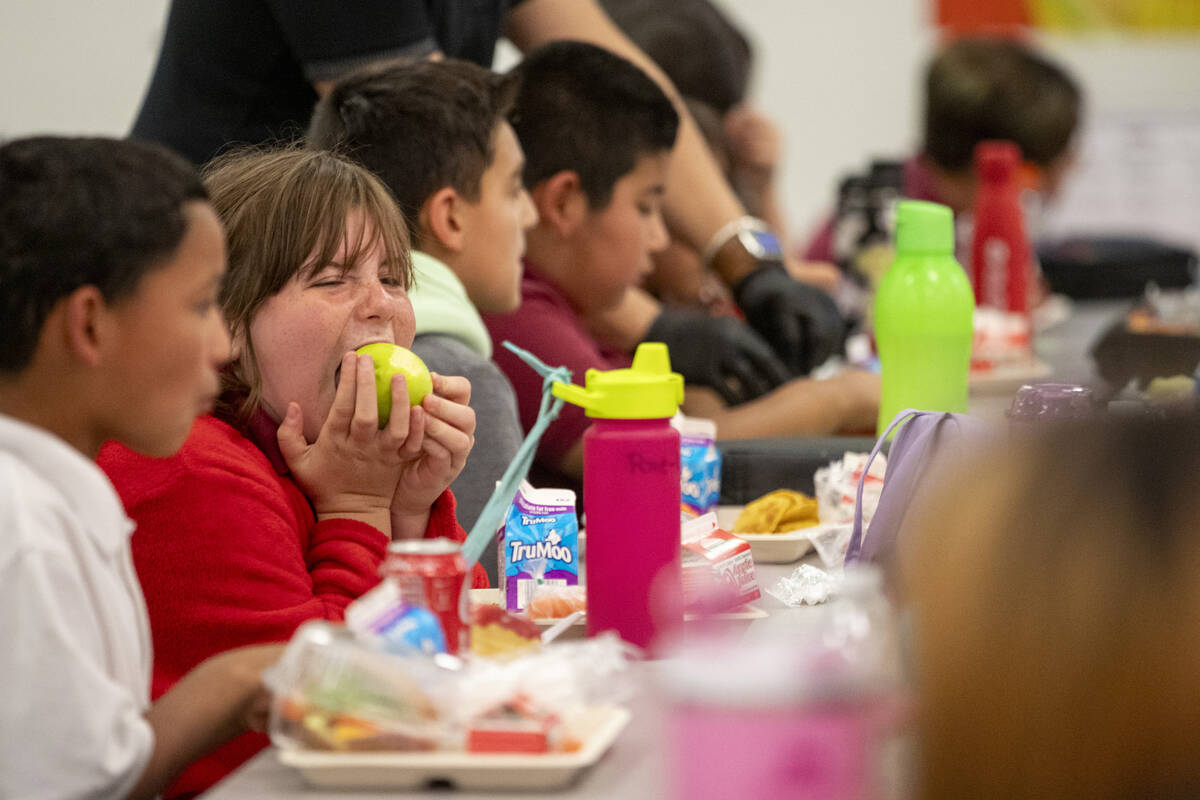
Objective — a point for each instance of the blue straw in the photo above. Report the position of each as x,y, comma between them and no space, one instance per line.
497,505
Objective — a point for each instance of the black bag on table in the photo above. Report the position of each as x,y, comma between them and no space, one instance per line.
1085,267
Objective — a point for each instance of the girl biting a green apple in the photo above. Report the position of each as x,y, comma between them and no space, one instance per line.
280,506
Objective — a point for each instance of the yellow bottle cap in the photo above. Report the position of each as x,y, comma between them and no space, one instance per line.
647,390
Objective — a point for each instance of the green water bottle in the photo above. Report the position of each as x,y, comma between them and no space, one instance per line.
924,311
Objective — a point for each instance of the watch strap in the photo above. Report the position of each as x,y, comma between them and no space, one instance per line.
730,230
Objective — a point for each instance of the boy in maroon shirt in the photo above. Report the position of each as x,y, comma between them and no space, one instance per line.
597,134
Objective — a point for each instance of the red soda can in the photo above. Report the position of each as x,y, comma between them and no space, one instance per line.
432,573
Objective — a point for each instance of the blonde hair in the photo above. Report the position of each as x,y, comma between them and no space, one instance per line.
1055,593
285,212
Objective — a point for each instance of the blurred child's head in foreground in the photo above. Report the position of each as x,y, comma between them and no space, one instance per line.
1056,605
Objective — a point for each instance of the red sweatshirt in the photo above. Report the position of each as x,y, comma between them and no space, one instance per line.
229,553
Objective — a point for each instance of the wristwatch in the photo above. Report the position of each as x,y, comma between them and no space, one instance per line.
752,234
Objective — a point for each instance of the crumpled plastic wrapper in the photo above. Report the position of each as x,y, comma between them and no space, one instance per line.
807,585
830,542
836,487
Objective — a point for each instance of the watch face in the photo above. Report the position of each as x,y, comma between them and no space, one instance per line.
761,244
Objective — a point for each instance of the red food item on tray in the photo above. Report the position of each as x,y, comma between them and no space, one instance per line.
516,726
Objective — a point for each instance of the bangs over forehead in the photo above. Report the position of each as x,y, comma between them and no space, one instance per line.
379,223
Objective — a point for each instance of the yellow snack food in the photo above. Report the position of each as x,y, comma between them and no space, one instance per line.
779,511
496,633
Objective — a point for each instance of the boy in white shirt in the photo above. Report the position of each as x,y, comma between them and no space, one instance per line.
110,263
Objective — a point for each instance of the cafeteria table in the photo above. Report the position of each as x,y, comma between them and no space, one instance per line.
634,767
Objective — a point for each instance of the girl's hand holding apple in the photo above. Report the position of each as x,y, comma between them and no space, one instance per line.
353,469
449,431
449,436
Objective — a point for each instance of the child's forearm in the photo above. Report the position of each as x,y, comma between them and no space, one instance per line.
206,708
801,407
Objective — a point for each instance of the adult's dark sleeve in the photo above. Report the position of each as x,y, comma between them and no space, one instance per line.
332,37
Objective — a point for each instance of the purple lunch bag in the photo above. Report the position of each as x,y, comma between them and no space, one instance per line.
923,438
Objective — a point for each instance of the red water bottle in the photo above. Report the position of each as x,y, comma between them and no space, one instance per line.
631,495
1000,255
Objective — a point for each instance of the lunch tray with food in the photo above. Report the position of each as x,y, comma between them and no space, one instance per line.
348,712
462,770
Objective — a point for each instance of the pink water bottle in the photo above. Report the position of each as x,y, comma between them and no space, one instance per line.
1000,253
631,495
800,706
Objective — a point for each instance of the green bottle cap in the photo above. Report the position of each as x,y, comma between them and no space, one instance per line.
923,227
647,390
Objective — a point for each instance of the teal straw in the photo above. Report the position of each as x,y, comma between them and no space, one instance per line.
497,505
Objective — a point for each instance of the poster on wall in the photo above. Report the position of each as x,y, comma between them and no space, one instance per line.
1065,16
1138,173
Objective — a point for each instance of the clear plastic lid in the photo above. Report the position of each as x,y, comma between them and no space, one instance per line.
1051,401
332,691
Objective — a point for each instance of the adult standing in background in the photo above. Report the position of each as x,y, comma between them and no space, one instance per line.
248,71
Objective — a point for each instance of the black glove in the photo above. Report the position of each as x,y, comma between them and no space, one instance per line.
801,322
719,352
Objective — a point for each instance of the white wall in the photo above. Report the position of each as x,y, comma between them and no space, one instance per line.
841,78
75,66
1139,169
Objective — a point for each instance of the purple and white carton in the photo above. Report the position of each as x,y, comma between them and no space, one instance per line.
538,545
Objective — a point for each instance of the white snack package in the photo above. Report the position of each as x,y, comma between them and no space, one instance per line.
831,542
836,487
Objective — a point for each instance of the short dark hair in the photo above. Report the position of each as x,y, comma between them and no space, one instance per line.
704,54
418,125
82,212
581,108
980,88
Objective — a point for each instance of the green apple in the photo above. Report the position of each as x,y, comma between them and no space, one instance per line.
390,359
